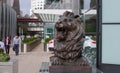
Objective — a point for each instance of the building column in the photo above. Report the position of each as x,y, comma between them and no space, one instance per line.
76,6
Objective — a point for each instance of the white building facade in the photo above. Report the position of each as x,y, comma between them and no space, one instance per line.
37,5
49,11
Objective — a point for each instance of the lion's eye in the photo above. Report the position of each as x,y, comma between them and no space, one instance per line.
65,20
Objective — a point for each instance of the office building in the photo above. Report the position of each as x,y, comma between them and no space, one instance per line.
37,5
16,7
8,2
50,10
7,20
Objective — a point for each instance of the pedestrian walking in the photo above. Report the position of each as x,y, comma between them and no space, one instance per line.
16,43
7,45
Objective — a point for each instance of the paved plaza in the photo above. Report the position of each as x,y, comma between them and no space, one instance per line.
30,62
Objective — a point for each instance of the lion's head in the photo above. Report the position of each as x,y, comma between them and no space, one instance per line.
66,26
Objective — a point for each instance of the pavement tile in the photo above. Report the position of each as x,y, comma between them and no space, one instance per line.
30,62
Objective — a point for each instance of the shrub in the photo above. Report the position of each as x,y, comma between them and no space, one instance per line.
30,40
47,40
4,57
90,54
1,50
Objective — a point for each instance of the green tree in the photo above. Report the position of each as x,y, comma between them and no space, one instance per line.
23,26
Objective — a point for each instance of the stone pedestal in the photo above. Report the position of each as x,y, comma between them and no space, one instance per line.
79,66
47,68
70,69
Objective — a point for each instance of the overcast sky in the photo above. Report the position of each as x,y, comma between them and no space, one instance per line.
25,6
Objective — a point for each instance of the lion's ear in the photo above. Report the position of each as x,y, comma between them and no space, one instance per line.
77,18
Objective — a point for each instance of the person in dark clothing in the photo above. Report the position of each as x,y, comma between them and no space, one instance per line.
7,45
16,43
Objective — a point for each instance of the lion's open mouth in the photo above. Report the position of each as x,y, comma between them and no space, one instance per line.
61,36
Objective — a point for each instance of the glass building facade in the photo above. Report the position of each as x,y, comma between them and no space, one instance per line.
51,1
109,41
16,7
7,21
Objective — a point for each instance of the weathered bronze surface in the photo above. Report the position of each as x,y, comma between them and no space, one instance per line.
69,40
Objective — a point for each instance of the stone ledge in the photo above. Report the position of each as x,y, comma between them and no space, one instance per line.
9,67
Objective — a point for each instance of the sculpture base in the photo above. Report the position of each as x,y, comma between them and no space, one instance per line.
70,69
47,68
79,66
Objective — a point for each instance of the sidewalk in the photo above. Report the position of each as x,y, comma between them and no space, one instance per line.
30,62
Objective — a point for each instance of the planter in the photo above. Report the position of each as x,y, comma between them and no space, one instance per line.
25,48
46,48
29,47
9,67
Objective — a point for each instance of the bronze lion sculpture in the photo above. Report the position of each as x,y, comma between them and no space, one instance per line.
69,33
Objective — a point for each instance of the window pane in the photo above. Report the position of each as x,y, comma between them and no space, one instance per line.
110,11
111,44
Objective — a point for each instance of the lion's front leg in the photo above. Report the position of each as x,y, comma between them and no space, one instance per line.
56,61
